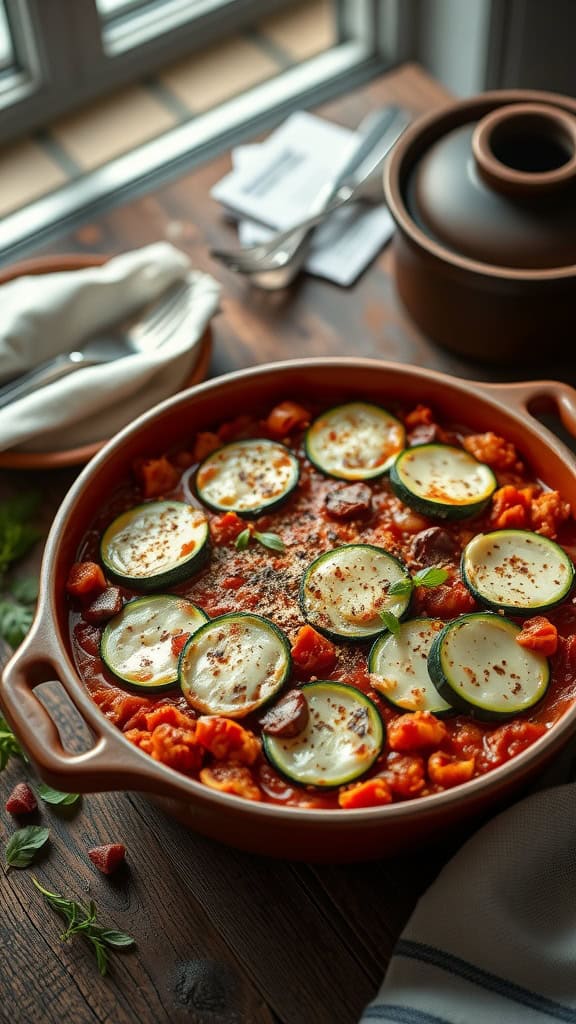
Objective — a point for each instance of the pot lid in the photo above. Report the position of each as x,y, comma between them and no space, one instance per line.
501,188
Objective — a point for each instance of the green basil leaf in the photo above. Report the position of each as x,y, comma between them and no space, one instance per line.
54,796
431,577
401,588
243,540
391,622
101,956
270,540
24,844
117,940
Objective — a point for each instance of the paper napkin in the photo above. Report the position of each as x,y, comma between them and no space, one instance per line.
274,185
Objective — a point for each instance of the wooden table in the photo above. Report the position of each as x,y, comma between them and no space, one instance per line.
222,937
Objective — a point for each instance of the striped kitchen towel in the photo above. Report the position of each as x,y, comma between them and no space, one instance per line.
493,940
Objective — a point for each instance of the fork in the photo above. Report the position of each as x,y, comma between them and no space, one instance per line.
146,335
363,183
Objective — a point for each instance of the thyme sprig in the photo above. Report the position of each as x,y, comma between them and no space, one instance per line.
82,919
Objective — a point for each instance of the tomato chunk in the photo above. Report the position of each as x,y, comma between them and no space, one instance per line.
404,775
312,653
231,777
447,771
85,580
227,740
540,635
177,748
156,476
445,601
225,529
511,739
286,417
416,731
372,793
493,450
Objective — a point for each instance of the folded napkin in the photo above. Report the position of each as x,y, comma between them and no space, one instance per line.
45,315
493,940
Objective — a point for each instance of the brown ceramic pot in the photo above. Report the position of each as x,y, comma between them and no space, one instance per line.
483,194
114,763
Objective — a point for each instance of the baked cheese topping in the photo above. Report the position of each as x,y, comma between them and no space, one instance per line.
234,664
345,590
399,667
450,476
355,441
343,737
517,569
247,476
154,538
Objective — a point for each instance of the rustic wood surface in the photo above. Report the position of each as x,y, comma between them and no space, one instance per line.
222,937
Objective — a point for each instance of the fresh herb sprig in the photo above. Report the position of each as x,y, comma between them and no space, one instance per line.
9,745
24,844
268,540
434,576
56,797
81,919
17,530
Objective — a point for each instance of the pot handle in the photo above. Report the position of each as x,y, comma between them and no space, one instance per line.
529,397
112,763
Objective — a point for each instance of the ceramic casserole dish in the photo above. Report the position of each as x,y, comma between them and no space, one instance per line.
113,763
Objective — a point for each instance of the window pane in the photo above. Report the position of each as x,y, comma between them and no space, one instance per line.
6,48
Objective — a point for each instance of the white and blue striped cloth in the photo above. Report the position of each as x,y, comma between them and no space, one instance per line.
493,940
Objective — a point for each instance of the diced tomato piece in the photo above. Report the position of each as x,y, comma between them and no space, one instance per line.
447,771
178,642
494,451
21,800
85,579
540,635
231,777
547,512
422,415
168,714
511,507
156,476
233,583
226,528
445,601
227,740
233,430
511,739
416,731
565,659
108,858
176,748
404,775
371,793
286,417
467,740
206,442
312,653
140,738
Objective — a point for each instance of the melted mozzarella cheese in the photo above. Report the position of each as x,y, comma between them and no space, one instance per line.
399,667
447,475
137,644
517,569
247,475
346,590
233,665
355,441
154,538
343,737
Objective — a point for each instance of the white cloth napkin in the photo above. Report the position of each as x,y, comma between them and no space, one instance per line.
52,313
493,940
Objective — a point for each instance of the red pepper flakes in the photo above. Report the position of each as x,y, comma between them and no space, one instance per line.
21,800
108,858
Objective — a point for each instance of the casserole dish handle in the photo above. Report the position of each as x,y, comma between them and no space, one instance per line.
112,763
538,396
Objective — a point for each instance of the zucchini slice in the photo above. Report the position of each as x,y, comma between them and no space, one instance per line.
247,477
137,644
441,481
398,667
155,545
341,741
516,570
233,664
357,441
344,591
476,664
